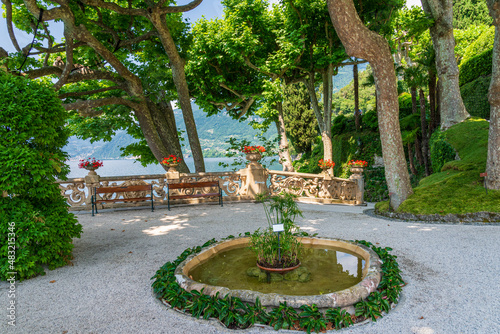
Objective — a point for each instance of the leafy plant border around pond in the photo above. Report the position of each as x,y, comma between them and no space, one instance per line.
236,314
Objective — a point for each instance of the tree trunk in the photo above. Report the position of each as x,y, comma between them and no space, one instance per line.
451,105
433,124
493,160
410,159
360,42
357,120
164,122
284,149
326,134
438,103
179,77
324,126
160,140
425,137
418,139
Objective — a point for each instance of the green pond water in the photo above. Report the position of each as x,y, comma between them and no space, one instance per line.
330,270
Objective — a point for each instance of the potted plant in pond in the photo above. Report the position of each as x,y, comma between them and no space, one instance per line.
278,252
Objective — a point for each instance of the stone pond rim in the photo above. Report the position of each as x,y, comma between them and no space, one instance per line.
371,276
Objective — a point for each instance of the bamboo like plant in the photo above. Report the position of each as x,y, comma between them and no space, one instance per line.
279,210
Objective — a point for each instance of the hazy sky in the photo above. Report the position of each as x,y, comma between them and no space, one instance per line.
208,8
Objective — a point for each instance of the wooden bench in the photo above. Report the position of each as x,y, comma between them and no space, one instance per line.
194,185
123,189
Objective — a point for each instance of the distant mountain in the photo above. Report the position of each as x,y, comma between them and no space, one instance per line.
213,131
345,76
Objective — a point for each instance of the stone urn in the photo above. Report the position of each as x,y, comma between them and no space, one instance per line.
357,169
325,170
172,166
254,157
91,170
172,173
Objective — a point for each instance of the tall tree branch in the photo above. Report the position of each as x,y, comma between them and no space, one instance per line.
10,29
115,8
89,92
178,9
86,107
49,14
69,62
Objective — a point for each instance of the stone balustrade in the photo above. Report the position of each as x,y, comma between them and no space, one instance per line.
242,185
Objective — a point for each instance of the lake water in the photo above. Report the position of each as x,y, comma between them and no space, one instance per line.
131,167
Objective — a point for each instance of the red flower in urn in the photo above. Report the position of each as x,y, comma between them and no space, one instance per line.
324,164
253,149
90,163
171,160
358,163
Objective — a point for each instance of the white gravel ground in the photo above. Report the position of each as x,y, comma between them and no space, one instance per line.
452,271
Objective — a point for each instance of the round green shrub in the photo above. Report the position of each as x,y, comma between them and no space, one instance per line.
34,216
441,151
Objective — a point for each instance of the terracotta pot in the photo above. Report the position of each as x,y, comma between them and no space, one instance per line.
278,270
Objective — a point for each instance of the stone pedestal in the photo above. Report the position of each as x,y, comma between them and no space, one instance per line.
327,173
357,175
253,177
172,173
92,180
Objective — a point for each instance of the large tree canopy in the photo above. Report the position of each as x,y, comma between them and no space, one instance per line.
467,13
113,51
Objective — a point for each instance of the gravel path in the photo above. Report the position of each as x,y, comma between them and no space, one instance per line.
452,271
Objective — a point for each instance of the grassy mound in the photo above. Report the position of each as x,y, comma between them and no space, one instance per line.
457,188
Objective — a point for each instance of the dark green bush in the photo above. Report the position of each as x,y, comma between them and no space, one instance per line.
308,163
475,97
370,120
342,124
405,105
376,189
475,67
33,216
441,151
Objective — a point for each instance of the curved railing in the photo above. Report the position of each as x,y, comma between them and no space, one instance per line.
315,187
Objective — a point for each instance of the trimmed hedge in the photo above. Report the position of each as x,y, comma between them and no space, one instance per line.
475,97
476,67
483,43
